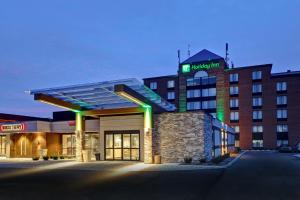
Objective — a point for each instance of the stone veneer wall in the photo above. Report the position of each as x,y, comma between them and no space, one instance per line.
179,135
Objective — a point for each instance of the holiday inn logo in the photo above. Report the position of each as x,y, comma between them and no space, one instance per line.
186,68
195,67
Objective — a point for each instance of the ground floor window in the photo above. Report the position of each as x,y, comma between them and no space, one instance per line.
122,145
257,143
68,144
282,143
2,145
92,143
237,143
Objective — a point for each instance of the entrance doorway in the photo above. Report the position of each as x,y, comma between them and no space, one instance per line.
2,145
24,146
122,145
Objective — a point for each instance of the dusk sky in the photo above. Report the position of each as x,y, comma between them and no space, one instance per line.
60,42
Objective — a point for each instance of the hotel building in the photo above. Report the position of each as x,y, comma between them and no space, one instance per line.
118,120
261,106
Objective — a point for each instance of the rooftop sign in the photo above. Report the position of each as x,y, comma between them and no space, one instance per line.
12,127
196,67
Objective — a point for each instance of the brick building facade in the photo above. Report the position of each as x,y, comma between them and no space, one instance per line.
262,106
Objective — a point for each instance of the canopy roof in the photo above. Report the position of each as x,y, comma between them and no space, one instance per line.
102,95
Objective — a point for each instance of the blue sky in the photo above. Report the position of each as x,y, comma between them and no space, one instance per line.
62,42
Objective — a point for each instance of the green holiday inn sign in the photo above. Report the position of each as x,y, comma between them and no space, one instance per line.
195,67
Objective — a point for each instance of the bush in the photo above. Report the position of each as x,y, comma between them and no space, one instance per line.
202,160
46,157
35,158
61,157
55,157
188,159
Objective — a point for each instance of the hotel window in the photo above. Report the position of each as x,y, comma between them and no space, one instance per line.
257,101
257,114
209,92
171,95
234,116
257,129
236,129
68,144
257,143
234,90
282,143
193,93
171,84
209,104
234,103
281,86
256,75
282,128
153,85
194,105
281,114
234,78
281,100
256,88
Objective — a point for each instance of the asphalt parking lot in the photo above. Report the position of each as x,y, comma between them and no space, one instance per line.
256,175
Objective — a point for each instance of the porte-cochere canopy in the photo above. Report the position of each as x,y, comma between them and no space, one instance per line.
125,93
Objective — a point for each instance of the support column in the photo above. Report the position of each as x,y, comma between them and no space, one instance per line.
148,155
8,144
79,132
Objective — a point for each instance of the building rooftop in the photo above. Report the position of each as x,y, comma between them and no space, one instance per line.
202,56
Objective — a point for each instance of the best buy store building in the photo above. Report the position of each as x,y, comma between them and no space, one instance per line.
126,121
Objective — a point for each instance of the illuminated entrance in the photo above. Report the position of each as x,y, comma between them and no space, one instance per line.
122,145
110,98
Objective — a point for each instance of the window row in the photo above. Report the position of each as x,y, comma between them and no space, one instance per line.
197,105
170,84
208,92
280,128
209,80
234,77
260,143
257,101
258,114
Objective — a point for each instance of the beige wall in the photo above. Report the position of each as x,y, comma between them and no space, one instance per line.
127,122
64,127
54,144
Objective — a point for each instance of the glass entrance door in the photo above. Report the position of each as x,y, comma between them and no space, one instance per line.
122,145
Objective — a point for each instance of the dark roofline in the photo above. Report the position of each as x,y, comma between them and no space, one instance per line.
285,74
156,77
13,117
252,66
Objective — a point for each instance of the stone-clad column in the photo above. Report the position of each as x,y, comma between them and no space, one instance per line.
148,135
8,144
79,132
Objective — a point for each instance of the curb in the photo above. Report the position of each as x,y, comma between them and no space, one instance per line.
235,159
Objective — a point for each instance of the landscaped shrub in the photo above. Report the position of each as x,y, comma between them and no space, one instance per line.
61,157
55,157
188,160
35,158
202,160
46,157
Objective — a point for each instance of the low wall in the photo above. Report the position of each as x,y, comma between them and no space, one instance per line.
179,135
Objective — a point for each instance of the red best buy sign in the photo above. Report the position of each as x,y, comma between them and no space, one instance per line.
12,127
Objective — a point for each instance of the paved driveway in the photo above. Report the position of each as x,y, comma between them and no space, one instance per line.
257,175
